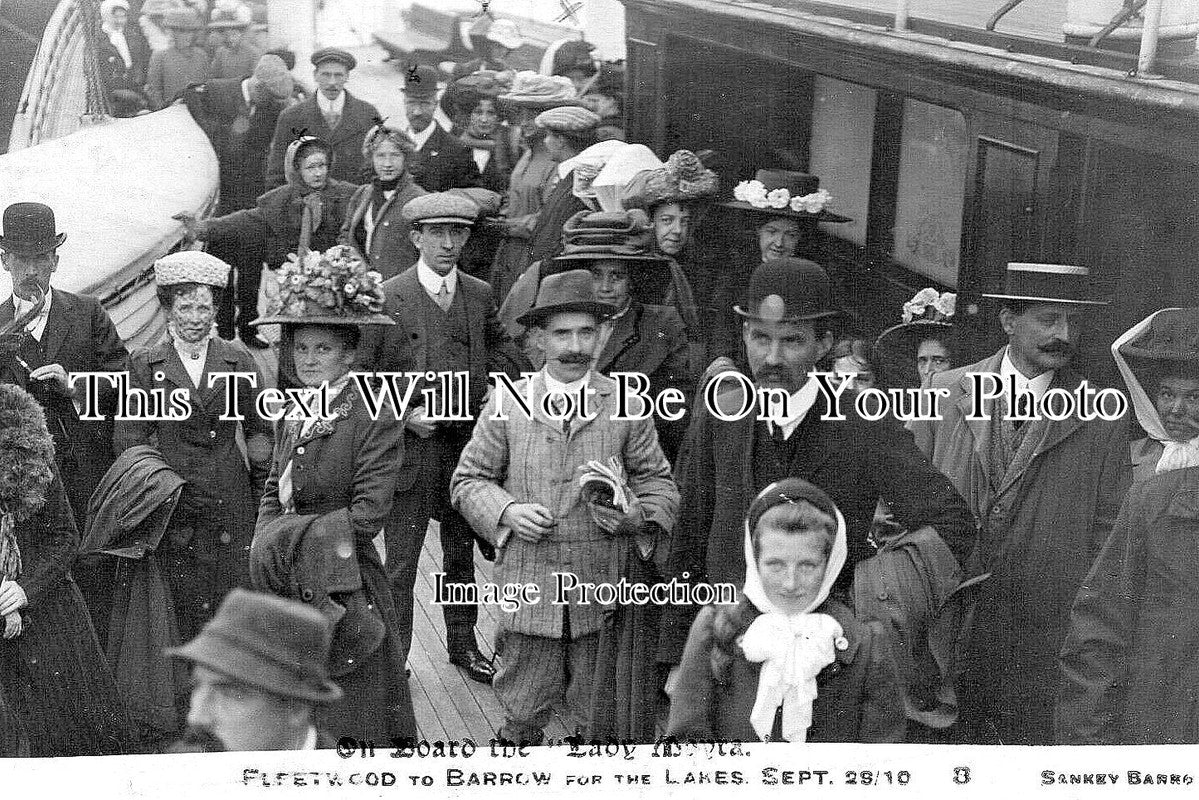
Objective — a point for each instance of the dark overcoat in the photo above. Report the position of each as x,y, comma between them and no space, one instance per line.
1041,526
391,250
357,117
81,337
443,163
858,698
350,462
1128,663
54,675
854,461
206,549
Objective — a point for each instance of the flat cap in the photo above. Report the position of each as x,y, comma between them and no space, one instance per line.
334,54
567,119
441,207
191,266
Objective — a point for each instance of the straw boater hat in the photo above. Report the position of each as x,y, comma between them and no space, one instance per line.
191,266
1047,283
331,288
784,193
788,290
277,645
568,291
926,316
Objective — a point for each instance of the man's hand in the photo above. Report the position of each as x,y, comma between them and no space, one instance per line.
419,423
530,521
13,625
56,373
194,227
612,520
12,598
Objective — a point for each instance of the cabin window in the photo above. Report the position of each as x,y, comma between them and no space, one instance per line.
931,193
841,145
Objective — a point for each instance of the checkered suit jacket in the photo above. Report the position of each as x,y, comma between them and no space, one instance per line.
529,460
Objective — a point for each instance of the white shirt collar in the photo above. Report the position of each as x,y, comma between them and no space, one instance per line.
37,327
421,137
1037,386
326,105
432,281
798,405
310,739
552,384
245,91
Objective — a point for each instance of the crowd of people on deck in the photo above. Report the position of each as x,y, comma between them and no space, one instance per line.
208,581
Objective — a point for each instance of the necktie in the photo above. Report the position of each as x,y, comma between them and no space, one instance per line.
332,119
559,406
443,297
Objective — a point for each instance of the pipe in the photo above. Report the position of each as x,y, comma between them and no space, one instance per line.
1153,21
901,14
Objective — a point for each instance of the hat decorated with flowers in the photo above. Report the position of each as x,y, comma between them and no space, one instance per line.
682,179
191,266
928,315
784,193
331,288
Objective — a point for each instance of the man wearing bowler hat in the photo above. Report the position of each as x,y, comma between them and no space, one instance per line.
332,114
440,162
518,484
786,327
1045,494
445,323
67,333
258,670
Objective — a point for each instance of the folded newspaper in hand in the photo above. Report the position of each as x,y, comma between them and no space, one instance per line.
604,483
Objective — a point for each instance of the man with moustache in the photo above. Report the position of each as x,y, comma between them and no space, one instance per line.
258,671
787,315
332,114
517,483
1045,494
445,323
440,162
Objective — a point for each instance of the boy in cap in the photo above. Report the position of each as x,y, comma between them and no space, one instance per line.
258,671
184,63
332,114
440,162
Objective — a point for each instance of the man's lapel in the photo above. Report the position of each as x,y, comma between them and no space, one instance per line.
598,403
979,429
57,325
412,307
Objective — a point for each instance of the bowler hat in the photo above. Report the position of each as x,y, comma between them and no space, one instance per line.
29,230
1047,283
565,292
421,82
788,290
1173,335
334,54
784,193
280,646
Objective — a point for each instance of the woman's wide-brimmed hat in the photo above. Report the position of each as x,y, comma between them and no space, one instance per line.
280,646
191,266
29,230
564,292
1172,337
788,290
682,179
230,14
926,316
1047,283
784,193
331,288
531,90
626,236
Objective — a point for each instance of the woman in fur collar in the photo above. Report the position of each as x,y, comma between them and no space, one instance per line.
49,652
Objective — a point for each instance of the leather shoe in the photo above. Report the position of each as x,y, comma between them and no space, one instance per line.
472,662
